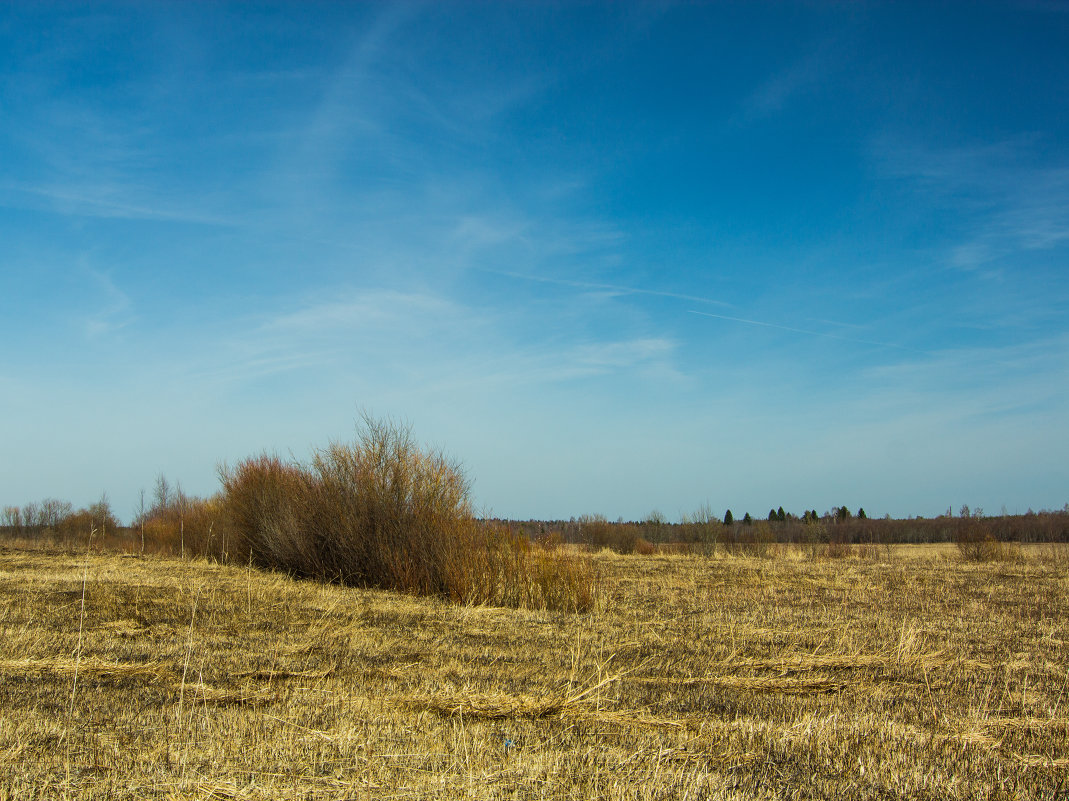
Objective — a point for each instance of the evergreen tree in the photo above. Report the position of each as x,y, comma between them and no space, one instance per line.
728,518
861,514
781,515
747,520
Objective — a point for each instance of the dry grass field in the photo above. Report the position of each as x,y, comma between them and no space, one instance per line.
904,674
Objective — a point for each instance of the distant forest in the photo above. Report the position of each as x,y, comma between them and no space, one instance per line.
170,521
838,526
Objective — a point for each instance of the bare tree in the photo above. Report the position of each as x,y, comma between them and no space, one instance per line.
13,518
141,513
161,494
181,502
103,515
52,512
31,515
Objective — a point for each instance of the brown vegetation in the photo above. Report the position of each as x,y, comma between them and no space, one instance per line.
703,533
906,674
383,512
379,512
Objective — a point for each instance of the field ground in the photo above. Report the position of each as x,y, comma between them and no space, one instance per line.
905,674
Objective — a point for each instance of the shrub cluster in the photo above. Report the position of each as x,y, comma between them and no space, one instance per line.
597,533
383,512
705,533
977,543
59,524
180,524
749,540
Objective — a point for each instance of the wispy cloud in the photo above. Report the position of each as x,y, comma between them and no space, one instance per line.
1037,214
105,201
373,327
807,332
511,369
611,355
425,346
381,109
796,80
613,289
968,383
477,231
238,364
112,311
784,86
377,309
1015,199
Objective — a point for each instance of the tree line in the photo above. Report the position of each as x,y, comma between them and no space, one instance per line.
838,526
168,520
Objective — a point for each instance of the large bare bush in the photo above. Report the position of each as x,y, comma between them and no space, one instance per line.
977,543
384,512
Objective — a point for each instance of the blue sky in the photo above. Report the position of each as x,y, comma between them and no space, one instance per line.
612,257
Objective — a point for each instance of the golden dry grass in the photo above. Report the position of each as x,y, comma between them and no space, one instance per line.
905,675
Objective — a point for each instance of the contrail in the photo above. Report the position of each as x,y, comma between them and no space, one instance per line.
804,331
679,296
630,290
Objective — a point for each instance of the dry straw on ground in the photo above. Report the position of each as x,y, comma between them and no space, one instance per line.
910,676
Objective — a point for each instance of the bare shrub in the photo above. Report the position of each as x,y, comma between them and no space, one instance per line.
266,503
1054,554
976,543
599,533
204,528
550,540
841,550
757,541
383,512
562,581
644,547
495,566
835,550
177,523
702,528
870,552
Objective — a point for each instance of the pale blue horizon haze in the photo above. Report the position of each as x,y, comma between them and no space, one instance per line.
613,258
